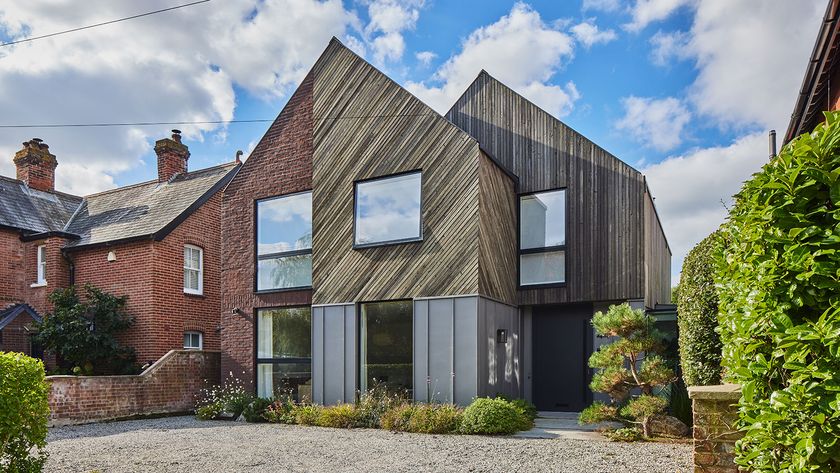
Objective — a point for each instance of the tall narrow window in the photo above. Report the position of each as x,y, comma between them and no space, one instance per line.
388,210
284,242
193,270
542,238
386,345
284,353
42,265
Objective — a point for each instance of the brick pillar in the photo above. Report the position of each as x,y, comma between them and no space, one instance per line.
715,433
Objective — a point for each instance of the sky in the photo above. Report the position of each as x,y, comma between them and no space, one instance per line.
685,91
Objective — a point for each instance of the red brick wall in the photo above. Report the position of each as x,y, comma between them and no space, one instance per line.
151,274
15,337
280,164
169,386
12,276
19,270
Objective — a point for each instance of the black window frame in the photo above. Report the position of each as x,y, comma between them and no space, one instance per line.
400,241
277,361
258,256
545,249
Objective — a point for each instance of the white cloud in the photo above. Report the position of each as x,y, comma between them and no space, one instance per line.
667,47
693,189
588,33
425,57
644,12
603,5
655,123
388,20
751,57
519,49
175,66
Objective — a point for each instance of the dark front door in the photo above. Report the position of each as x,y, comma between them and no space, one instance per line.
562,338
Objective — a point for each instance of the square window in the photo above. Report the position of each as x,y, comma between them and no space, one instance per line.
388,210
284,242
193,341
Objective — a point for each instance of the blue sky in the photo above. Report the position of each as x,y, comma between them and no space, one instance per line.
683,90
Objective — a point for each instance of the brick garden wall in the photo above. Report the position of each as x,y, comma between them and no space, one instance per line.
169,386
715,416
280,164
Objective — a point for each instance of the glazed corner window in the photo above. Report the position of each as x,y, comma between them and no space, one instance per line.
193,270
42,265
388,210
284,353
542,238
193,341
284,242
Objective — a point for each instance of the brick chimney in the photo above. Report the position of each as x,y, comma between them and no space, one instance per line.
36,166
172,156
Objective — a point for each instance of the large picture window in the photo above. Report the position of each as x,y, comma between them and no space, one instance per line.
388,210
542,238
284,242
284,353
386,345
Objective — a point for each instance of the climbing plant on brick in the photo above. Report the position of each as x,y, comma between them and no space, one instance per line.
697,310
779,287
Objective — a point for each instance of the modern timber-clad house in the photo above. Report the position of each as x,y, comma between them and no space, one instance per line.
369,239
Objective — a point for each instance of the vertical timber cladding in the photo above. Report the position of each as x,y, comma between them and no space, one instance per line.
605,203
334,353
498,251
657,258
367,126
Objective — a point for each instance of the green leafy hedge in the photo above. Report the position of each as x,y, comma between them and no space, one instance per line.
23,413
494,416
779,280
697,309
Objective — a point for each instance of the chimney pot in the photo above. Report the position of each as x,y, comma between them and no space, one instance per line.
36,166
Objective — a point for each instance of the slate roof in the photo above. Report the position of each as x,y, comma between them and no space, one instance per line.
147,209
9,314
33,211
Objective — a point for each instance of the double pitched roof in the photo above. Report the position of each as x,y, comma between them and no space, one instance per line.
146,210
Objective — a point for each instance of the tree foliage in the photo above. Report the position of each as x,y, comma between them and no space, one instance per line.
697,309
83,331
23,413
632,362
779,286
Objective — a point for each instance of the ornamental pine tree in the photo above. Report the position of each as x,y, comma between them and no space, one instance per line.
631,364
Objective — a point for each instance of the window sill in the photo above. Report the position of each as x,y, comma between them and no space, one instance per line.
283,289
38,284
194,294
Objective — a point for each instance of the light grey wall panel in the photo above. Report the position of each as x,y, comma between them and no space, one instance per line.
466,350
334,353
445,349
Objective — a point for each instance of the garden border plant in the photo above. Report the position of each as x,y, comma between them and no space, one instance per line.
778,278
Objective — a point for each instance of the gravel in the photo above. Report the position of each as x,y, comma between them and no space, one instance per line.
177,444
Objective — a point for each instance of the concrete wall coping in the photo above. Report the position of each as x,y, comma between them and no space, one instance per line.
720,392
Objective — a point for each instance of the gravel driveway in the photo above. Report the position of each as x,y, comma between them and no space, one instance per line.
177,444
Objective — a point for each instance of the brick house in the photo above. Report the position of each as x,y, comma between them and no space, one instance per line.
369,239
157,242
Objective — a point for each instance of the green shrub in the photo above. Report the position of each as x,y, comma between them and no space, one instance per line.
492,416
598,412
697,315
306,414
24,412
423,418
282,411
209,411
374,402
83,331
625,434
256,410
778,279
340,416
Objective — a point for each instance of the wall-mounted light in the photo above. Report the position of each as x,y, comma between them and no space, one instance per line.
501,336
112,256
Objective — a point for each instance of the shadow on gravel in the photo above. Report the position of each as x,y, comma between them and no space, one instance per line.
117,427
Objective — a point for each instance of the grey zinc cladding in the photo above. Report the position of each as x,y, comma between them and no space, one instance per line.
146,209
33,211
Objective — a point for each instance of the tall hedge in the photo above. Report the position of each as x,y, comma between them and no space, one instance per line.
23,413
697,309
779,280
